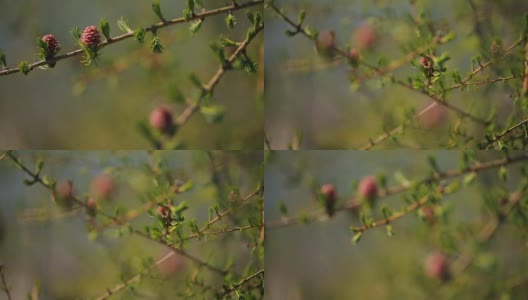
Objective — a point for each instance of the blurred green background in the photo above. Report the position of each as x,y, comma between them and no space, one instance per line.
319,261
99,107
39,243
307,94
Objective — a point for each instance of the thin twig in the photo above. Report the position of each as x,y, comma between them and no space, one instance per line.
5,288
241,283
208,88
499,136
437,177
37,178
152,28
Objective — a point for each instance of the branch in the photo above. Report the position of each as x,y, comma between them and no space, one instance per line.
208,88
437,177
465,81
241,283
5,288
152,28
498,137
378,71
489,231
36,177
109,292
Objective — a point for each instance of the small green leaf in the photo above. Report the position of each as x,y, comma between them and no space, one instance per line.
157,9
139,35
122,24
105,28
24,67
156,45
175,94
432,163
76,33
223,41
301,16
187,186
503,173
452,187
231,21
470,178
357,237
3,62
195,26
389,230
39,166
387,213
187,14
283,208
190,5
195,80
212,113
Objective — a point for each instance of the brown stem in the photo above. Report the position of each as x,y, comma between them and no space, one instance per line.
152,28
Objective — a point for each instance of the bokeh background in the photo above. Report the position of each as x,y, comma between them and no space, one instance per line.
99,107
319,261
40,245
306,94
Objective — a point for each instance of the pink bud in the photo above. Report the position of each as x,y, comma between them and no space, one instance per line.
368,188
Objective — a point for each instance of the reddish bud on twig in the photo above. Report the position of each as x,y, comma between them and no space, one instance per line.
328,193
437,267
102,186
366,36
163,211
52,44
325,44
368,188
91,37
63,194
91,207
161,119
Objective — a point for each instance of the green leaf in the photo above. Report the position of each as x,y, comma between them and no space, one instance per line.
156,45
448,37
190,5
503,173
157,9
195,26
76,33
389,230
122,24
186,186
195,80
387,213
24,67
312,33
139,35
432,163
212,113
301,17
39,166
187,14
357,237
283,208
470,178
105,28
3,62
452,187
225,42
175,94
230,21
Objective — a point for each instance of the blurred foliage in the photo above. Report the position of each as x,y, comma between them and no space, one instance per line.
354,71
205,206
458,225
100,106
